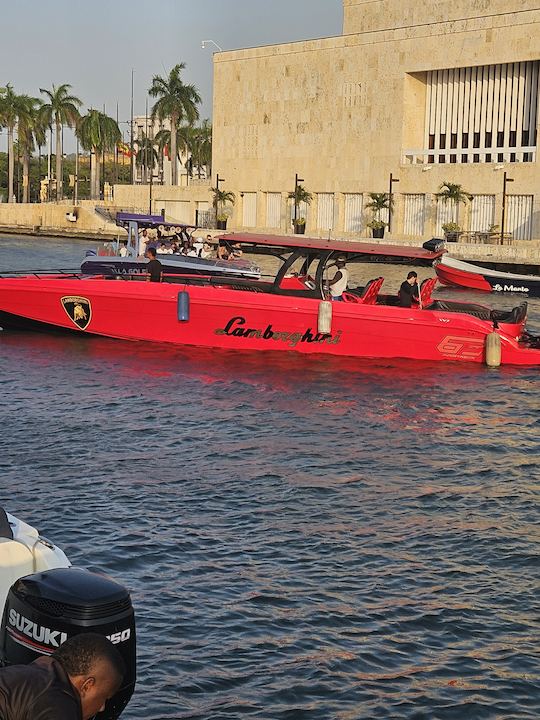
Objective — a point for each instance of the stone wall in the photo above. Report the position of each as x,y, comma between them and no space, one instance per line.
52,219
341,111
360,16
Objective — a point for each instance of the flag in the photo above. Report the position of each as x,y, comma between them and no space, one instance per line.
124,149
166,152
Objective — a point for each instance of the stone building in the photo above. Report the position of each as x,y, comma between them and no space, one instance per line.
425,92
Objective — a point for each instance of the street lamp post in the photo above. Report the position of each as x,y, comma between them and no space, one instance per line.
76,178
205,42
506,180
218,180
297,181
392,181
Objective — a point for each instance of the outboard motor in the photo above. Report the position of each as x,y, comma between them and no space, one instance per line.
44,609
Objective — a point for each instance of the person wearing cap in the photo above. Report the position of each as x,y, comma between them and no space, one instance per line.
338,284
408,292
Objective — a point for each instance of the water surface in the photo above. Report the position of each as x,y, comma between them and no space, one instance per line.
302,537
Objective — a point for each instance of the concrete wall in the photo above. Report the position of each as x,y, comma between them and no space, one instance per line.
340,111
50,219
373,15
180,203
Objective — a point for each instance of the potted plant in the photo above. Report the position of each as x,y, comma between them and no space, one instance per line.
378,202
377,228
452,231
221,197
300,195
455,194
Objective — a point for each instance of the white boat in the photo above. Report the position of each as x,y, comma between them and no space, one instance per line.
23,551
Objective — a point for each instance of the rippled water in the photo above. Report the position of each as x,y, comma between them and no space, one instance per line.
302,537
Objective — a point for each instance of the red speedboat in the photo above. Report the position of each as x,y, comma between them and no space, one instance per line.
286,310
463,274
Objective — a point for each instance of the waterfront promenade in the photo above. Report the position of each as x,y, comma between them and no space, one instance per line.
53,220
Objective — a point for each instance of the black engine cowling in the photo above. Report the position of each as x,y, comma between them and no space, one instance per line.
44,609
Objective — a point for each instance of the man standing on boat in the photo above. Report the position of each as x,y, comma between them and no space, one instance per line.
153,267
408,292
144,239
338,284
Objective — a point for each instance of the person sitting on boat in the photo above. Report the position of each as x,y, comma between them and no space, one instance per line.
236,252
338,284
124,250
198,245
153,267
223,251
206,252
409,292
187,249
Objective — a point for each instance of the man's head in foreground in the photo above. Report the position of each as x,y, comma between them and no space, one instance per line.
95,669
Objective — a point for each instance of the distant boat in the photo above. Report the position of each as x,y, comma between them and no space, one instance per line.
289,310
462,274
107,261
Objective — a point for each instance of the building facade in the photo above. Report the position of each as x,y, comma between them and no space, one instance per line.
417,93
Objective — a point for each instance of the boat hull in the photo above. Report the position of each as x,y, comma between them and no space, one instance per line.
217,316
115,266
461,274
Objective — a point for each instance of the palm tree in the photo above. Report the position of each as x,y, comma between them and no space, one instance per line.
221,197
62,109
11,106
455,194
300,195
176,101
201,147
183,143
146,156
30,130
97,133
379,202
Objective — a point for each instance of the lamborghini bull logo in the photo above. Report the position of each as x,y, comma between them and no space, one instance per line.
78,310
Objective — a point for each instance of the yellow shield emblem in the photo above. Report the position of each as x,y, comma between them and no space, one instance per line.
78,310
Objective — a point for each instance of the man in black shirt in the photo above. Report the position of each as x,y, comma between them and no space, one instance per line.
74,683
408,292
153,267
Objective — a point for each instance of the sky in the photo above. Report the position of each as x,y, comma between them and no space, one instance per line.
95,44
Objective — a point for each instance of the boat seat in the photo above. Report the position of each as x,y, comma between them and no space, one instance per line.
426,288
479,311
366,295
370,292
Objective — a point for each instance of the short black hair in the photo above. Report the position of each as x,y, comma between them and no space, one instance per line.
412,274
80,652
152,251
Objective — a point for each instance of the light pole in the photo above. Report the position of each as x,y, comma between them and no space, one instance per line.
76,184
205,42
392,181
218,180
506,179
297,181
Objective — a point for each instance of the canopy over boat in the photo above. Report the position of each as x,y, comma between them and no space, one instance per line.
380,251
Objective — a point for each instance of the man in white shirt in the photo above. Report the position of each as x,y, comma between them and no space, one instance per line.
338,284
143,242
124,250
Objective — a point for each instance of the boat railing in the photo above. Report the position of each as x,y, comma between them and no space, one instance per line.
72,272
476,237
